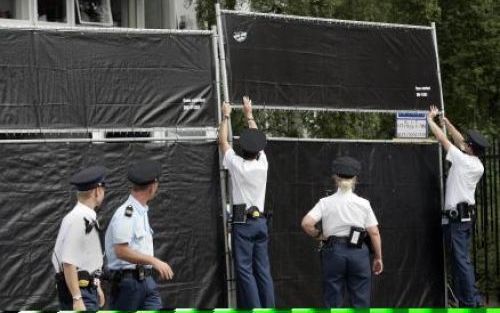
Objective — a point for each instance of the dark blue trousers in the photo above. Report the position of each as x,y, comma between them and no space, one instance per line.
251,261
133,294
343,267
89,297
458,236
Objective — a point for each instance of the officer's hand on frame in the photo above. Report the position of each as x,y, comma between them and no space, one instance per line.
226,108
163,269
78,305
247,106
433,112
377,267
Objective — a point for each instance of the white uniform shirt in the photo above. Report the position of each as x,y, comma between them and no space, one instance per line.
248,177
74,246
463,176
342,210
134,230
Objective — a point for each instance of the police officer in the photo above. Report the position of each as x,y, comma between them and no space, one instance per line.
464,174
129,244
77,256
346,220
250,236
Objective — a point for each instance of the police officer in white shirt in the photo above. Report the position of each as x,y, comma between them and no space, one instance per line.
77,256
129,244
249,236
346,220
464,174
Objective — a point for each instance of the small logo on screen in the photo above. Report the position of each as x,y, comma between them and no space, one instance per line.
240,36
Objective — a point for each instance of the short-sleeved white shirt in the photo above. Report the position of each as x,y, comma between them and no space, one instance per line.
342,210
134,230
248,177
74,246
463,176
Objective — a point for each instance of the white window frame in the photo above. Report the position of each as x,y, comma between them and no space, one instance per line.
105,24
136,19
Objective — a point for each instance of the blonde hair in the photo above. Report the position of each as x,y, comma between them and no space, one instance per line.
84,195
345,184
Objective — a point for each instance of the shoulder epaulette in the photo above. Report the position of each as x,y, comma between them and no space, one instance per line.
129,210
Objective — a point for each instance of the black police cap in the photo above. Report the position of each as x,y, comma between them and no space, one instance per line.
89,178
346,167
252,140
144,172
477,139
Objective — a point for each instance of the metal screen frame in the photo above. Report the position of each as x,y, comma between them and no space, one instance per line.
432,28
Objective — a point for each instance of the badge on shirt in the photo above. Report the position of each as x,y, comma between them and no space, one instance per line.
128,211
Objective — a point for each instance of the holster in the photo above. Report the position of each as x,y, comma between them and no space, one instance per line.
357,237
463,212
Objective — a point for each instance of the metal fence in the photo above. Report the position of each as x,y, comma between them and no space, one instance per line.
486,248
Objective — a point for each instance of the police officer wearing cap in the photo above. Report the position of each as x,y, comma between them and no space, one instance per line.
129,244
249,230
77,256
458,216
346,220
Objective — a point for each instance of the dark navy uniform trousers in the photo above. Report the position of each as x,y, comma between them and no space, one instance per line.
345,267
133,294
89,297
253,272
458,236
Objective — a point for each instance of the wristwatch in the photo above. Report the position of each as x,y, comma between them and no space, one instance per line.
76,298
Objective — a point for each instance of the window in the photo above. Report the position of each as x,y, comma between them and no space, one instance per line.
52,10
94,12
14,9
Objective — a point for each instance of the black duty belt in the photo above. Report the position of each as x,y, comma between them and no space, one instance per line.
336,239
138,273
463,212
85,279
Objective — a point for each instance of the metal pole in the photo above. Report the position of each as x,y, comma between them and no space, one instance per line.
222,175
441,172
225,92
222,53
325,20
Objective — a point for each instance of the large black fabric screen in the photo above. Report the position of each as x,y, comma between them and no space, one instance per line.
291,62
56,79
185,216
402,183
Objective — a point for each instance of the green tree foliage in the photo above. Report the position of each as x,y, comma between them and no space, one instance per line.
469,45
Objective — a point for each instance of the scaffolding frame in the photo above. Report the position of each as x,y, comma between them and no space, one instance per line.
431,28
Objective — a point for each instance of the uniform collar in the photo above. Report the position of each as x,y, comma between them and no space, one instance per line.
137,205
344,193
88,212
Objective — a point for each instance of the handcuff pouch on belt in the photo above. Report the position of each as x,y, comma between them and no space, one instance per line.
357,237
461,213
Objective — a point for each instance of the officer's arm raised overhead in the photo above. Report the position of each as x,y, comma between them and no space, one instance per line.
436,130
247,110
223,128
457,137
